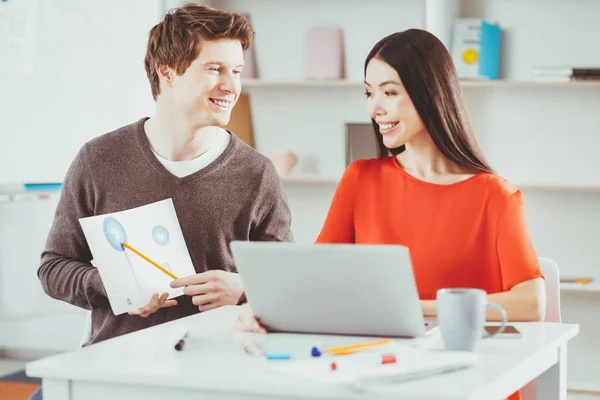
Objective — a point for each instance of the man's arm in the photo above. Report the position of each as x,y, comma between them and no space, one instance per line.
275,222
65,271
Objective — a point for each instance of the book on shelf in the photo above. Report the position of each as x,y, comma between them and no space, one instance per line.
324,53
586,78
475,48
240,122
550,78
250,70
360,142
578,280
565,74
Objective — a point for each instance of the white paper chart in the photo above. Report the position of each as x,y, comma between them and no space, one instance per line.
154,231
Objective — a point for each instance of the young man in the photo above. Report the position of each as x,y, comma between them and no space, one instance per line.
222,189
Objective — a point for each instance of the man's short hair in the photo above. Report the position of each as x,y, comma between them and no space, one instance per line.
177,40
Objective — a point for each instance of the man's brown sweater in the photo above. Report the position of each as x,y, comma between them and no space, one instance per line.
239,196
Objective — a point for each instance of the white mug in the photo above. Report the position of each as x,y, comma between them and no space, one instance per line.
461,317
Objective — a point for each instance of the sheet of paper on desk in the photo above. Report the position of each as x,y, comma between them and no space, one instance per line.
154,231
362,369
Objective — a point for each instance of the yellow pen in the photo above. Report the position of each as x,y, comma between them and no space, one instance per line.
339,351
149,260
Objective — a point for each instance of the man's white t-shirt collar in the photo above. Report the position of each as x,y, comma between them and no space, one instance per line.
184,168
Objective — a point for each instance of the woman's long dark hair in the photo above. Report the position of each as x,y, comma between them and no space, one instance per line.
429,77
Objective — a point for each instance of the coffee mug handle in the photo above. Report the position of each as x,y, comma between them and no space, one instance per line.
502,315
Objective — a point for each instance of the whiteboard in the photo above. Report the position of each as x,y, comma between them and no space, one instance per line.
85,76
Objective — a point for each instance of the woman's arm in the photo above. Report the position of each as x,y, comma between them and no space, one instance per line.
525,301
523,294
339,223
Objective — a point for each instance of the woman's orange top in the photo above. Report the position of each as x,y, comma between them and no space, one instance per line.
468,234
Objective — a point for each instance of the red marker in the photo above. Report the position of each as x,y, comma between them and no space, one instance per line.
388,359
362,359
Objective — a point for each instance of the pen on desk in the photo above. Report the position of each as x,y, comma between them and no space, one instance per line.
338,351
181,341
253,348
128,246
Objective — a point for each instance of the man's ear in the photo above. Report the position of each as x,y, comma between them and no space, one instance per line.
165,74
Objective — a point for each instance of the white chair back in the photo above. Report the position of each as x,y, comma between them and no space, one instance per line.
552,285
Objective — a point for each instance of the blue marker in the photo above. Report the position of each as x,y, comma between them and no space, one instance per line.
278,355
315,352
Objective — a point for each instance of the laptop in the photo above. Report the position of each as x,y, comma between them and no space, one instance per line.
338,289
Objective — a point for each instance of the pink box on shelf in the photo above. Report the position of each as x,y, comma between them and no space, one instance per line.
249,70
324,53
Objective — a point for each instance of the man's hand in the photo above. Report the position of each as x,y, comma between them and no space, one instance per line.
247,322
155,304
211,289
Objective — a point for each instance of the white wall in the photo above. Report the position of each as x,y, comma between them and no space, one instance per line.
87,78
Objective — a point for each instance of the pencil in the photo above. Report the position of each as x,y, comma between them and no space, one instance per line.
149,260
356,347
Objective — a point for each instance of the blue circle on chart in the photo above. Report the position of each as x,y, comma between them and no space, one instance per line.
128,301
167,266
160,234
114,233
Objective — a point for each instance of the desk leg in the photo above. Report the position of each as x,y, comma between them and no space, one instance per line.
552,384
56,389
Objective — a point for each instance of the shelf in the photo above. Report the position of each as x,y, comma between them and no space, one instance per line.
309,180
28,196
533,84
576,287
591,388
558,187
259,83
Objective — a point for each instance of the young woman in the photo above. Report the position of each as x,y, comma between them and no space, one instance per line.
431,188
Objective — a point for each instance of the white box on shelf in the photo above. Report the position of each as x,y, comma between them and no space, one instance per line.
476,48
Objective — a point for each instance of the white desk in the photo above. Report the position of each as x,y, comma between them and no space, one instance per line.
213,365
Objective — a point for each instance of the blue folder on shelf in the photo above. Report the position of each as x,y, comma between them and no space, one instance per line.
42,186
